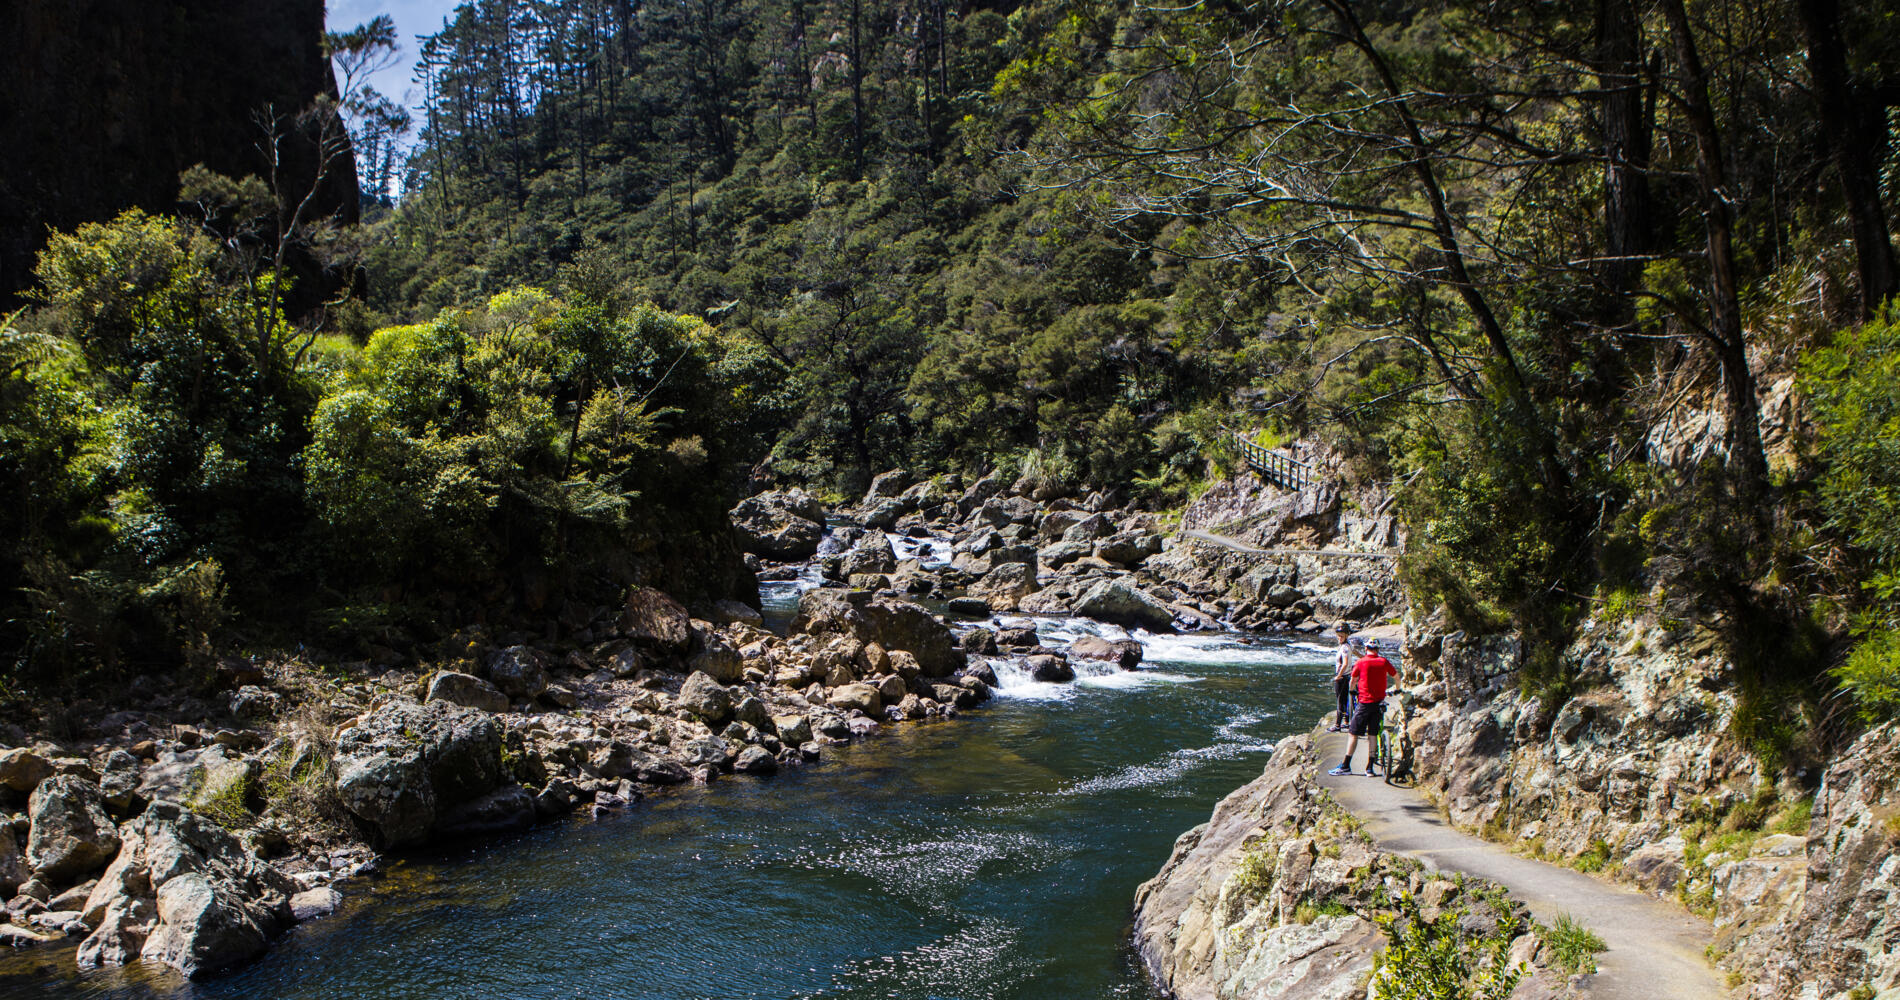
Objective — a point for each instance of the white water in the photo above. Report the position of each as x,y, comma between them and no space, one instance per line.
934,553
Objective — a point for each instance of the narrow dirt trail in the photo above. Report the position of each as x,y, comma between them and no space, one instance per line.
1656,949
1239,546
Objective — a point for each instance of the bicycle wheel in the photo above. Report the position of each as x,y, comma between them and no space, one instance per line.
1383,752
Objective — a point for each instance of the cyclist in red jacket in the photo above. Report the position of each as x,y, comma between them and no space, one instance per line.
1369,674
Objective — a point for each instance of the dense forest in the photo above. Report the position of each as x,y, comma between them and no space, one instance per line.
1506,258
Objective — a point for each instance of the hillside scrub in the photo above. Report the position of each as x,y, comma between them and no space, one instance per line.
185,481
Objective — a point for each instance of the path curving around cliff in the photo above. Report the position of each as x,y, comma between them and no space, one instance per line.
1656,951
1237,545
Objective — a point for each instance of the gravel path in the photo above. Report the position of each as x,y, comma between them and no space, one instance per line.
1656,949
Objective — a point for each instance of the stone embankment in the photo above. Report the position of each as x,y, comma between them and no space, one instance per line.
195,845
1281,895
1637,777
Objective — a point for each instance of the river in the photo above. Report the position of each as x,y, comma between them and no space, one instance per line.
994,856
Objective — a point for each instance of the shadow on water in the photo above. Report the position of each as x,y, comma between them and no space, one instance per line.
993,857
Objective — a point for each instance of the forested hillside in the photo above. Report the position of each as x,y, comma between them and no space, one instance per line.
1583,283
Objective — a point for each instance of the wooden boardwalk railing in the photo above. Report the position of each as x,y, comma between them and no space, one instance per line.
1275,467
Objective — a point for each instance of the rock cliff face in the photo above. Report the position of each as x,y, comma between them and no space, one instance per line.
1277,895
1636,776
104,102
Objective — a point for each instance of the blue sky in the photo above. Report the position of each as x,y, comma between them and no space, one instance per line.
413,17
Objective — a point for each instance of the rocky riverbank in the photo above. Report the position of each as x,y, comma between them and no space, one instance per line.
194,844
1279,894
191,823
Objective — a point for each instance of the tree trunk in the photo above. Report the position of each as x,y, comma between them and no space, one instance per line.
1853,126
1746,460
1626,148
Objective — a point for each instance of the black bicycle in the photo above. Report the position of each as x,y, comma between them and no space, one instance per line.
1394,755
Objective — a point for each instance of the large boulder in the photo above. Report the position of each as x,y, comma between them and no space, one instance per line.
22,769
876,618
1004,587
719,659
886,486
863,697
703,696
780,525
1353,601
1124,653
872,554
657,624
1129,548
71,833
466,689
1121,603
13,869
1063,553
185,892
518,672
403,766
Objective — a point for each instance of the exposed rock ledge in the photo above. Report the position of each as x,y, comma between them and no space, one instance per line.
1278,894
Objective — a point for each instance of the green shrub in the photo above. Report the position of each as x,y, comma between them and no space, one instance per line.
1573,947
1434,959
1871,676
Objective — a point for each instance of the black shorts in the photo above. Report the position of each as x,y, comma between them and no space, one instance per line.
1366,719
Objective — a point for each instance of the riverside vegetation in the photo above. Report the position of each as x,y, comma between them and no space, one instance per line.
1584,304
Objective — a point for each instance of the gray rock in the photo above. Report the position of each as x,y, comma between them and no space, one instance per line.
1124,653
872,554
1063,553
891,623
71,833
714,753
782,525
1089,529
660,771
402,766
705,697
719,660
518,672
734,612
884,514
795,730
315,904
887,485
507,809
1129,548
467,689
1050,669
13,869
1004,587
626,663
1281,595
657,624
1119,602
969,607
752,712
253,703
830,725
862,697
755,760
22,770
184,892
1353,601
119,783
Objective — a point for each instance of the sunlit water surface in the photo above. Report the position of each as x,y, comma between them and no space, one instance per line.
995,856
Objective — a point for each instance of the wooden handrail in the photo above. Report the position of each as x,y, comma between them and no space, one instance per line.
1276,467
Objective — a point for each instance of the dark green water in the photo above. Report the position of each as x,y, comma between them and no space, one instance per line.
994,856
